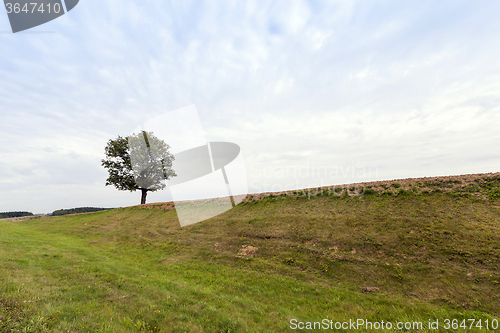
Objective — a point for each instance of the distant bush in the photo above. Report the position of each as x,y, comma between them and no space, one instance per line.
338,191
437,182
494,193
370,191
77,210
494,179
403,192
6,215
255,219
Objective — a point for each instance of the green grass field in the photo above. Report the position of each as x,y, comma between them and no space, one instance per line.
432,256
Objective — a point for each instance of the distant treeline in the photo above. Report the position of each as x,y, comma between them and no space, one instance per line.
6,215
77,210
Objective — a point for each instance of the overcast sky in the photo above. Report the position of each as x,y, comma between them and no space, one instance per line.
314,92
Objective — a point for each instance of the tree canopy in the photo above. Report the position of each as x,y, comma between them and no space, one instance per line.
78,210
138,162
5,215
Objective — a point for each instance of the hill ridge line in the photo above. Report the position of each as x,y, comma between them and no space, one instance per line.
449,183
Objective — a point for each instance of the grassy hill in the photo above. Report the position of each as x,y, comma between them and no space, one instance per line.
406,256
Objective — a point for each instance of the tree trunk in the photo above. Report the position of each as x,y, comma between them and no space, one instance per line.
143,197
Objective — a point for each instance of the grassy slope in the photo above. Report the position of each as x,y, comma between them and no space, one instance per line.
433,256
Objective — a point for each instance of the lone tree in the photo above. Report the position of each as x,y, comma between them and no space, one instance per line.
138,162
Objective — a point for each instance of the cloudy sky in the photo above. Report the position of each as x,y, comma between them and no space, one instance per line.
314,92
